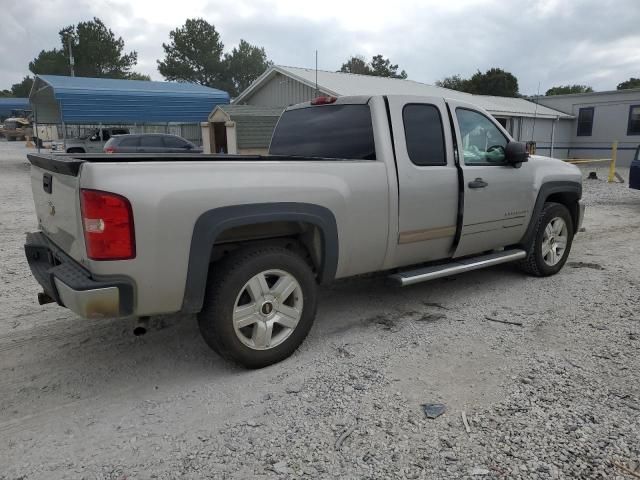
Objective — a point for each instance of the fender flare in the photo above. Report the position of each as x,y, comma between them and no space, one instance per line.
213,222
545,191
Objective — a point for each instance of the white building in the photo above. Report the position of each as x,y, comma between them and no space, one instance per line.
282,86
600,118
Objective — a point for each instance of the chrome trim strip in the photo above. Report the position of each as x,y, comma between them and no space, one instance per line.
413,236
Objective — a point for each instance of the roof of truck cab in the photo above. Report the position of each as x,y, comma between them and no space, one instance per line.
83,100
341,84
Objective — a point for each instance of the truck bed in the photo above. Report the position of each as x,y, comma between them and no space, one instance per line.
69,163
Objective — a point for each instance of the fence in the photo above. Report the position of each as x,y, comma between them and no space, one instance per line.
613,175
188,131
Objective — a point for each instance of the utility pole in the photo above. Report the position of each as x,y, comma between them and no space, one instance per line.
71,61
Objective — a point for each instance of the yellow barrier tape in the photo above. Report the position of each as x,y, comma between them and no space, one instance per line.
593,160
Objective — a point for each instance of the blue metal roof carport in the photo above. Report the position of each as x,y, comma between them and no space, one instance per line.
82,100
11,103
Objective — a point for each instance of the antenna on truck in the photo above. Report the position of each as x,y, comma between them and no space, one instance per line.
317,73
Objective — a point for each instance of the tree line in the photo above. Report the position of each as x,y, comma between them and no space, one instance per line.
496,81
195,53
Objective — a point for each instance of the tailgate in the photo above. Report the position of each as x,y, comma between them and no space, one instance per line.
57,201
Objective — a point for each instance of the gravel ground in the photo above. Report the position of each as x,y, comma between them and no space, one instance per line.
555,397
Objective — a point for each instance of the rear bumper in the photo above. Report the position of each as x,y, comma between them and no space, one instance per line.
72,286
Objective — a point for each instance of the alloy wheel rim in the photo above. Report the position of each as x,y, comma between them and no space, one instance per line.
554,241
268,309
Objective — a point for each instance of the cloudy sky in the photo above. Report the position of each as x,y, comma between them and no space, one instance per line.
546,42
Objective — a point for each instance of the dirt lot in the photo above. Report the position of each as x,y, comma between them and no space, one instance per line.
557,397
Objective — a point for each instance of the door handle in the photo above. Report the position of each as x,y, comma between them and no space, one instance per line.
478,183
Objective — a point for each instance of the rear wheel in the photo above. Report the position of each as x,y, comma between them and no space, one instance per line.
259,306
552,241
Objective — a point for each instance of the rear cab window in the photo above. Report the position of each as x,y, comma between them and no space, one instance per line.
337,131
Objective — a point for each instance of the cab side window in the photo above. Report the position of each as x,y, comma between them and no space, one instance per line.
482,142
423,134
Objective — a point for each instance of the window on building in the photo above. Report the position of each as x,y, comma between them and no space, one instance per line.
423,134
585,122
502,121
633,128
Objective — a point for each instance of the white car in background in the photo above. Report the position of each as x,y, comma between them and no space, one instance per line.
91,142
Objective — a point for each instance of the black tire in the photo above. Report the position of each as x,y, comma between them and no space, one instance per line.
534,264
227,279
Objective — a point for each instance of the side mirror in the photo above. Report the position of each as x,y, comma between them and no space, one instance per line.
515,153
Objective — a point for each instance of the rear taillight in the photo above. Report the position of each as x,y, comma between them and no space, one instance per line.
107,220
109,150
323,100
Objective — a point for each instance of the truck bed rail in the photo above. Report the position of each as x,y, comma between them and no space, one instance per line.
69,163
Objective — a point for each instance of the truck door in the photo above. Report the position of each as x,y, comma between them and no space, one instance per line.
498,197
427,179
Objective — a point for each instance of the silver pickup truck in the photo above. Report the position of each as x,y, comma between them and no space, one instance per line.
416,187
91,142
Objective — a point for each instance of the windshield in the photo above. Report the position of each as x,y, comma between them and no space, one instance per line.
330,131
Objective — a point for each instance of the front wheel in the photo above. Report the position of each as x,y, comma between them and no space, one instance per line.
259,306
551,243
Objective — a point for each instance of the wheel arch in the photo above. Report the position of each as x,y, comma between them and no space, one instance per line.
563,192
213,224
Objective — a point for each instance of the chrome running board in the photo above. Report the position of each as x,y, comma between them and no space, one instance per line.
454,267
